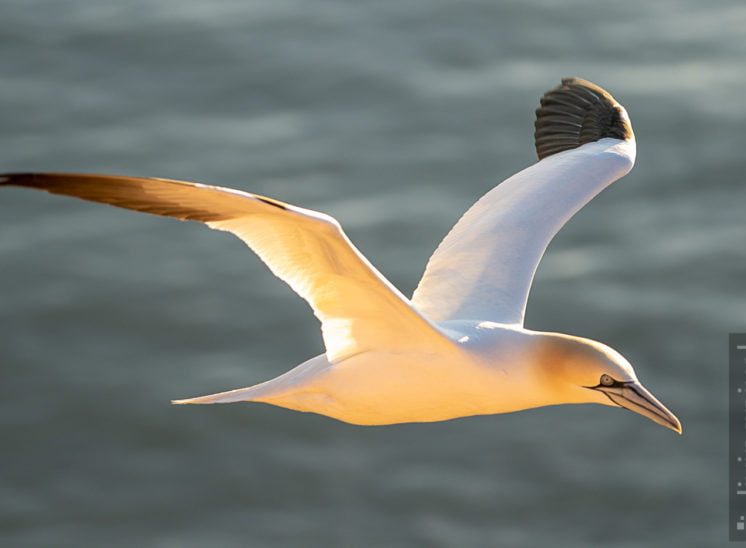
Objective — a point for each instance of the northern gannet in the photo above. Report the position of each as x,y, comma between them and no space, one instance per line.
458,347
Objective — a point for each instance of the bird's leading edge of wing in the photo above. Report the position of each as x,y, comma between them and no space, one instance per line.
359,309
484,267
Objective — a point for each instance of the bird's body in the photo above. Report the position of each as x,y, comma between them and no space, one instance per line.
383,387
458,348
490,368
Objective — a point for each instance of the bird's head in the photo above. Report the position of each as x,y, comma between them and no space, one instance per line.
578,370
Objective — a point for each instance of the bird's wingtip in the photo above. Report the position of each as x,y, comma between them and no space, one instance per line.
29,179
575,113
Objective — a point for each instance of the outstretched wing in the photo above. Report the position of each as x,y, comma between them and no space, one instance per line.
358,308
484,267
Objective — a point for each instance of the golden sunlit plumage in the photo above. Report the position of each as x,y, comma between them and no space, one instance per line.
459,347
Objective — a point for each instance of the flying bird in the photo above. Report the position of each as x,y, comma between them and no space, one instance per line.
459,346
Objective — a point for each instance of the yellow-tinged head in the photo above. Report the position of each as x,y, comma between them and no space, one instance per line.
578,370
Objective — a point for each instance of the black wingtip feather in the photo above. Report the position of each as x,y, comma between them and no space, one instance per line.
117,190
575,113
16,179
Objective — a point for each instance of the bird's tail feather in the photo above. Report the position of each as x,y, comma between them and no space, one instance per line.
288,382
239,394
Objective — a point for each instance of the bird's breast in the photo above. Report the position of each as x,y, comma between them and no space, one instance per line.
481,375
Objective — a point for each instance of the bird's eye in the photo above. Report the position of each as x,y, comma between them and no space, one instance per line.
606,380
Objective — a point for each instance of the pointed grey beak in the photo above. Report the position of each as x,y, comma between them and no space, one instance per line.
633,396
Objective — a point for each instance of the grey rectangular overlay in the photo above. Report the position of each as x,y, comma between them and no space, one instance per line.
737,437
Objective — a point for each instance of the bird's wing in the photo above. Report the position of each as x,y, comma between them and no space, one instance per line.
483,268
359,309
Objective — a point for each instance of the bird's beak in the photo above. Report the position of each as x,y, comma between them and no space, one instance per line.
633,396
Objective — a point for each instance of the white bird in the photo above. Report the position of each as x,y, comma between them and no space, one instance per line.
459,347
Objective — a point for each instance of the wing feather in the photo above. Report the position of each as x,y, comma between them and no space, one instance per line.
484,267
359,309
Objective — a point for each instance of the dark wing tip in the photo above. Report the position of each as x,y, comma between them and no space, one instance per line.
50,181
18,179
575,113
154,196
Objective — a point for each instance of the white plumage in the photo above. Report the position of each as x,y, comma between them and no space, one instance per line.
459,347
484,268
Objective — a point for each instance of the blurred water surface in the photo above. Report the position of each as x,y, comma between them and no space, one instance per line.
393,116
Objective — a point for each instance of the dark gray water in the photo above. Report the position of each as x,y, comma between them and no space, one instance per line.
393,116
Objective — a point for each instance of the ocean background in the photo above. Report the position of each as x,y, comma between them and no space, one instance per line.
394,117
